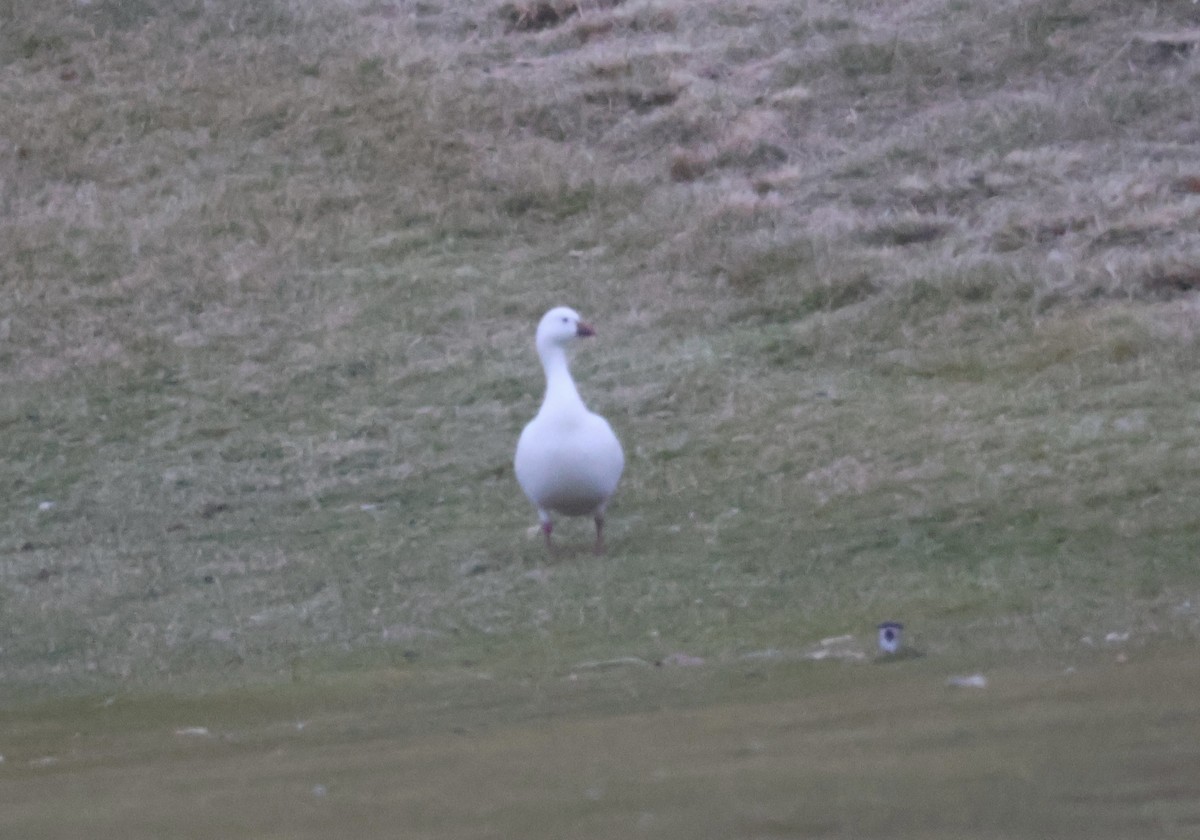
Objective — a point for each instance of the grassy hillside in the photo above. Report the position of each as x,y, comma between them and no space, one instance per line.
897,307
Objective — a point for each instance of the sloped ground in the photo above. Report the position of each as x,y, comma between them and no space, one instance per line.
897,311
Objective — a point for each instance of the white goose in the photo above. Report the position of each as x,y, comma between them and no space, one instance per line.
568,460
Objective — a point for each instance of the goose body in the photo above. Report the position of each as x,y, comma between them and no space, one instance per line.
568,459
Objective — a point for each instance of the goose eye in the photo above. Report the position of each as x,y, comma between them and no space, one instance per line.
565,319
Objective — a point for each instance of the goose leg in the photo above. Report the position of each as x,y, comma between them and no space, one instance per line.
547,527
599,549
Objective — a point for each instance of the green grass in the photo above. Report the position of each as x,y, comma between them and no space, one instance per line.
896,320
1100,749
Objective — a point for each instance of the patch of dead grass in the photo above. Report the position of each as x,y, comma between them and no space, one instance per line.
856,271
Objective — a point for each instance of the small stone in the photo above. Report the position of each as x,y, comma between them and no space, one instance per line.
193,731
971,681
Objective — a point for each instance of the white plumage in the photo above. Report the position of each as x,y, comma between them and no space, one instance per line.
568,460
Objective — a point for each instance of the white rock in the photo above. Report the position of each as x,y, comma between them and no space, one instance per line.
193,731
971,681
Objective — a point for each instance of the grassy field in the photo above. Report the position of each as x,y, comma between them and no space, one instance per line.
897,310
801,750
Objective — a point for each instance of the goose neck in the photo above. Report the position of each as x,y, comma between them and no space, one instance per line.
560,386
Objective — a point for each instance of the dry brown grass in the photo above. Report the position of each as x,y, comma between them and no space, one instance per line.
897,309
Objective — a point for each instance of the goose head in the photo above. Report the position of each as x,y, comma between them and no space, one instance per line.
559,328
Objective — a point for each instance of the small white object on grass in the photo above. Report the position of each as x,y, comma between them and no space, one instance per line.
568,459
607,664
890,636
833,641
842,648
193,731
46,505
972,681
